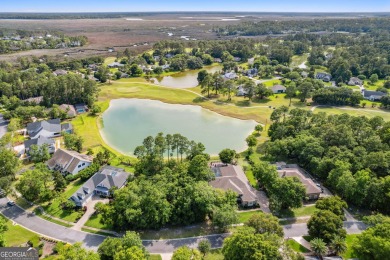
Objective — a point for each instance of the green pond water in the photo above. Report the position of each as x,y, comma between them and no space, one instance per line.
128,121
187,79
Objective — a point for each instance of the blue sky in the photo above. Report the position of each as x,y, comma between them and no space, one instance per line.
195,5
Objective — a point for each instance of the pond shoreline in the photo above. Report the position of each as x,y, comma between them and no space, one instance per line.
191,108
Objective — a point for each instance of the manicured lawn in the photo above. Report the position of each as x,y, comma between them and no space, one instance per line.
299,212
369,86
215,254
297,247
368,112
109,60
155,257
350,240
55,208
17,235
94,221
244,216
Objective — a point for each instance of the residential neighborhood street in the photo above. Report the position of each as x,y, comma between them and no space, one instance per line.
92,241
3,126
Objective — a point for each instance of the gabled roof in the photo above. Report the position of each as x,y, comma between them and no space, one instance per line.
107,178
52,126
69,109
67,160
369,93
278,87
38,141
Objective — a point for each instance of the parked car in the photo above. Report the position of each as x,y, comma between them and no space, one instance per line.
10,203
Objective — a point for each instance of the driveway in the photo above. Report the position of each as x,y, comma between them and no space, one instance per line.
89,212
3,126
92,241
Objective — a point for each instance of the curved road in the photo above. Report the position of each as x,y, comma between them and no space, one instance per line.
92,241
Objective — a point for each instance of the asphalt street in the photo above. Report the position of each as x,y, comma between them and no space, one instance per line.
92,241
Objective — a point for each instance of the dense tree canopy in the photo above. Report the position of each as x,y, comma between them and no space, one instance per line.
351,154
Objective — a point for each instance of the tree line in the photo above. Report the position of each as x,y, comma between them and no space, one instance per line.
351,154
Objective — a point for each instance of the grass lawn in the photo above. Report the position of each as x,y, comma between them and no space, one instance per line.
368,112
297,247
251,178
109,60
299,212
244,216
94,221
155,257
297,60
350,240
17,235
369,86
56,210
215,254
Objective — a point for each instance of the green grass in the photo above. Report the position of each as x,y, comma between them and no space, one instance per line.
368,112
155,257
294,245
17,235
350,240
299,212
38,213
246,215
251,178
297,60
97,232
94,222
369,86
54,208
215,254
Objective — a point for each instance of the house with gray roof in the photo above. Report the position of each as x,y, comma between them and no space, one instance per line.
323,76
232,177
67,128
354,81
69,162
60,72
373,95
100,184
115,64
49,129
278,89
41,140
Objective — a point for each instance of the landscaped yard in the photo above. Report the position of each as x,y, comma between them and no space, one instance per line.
154,257
54,208
94,221
244,216
299,212
297,247
17,235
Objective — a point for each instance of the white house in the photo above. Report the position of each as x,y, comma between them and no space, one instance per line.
277,89
70,162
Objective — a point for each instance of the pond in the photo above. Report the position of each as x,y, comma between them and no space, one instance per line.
187,79
128,122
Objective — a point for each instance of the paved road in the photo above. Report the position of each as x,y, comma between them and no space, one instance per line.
3,126
92,241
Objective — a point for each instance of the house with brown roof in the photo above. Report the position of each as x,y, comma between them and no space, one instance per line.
232,177
69,162
313,191
69,110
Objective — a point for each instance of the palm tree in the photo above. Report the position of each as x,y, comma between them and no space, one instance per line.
338,245
319,247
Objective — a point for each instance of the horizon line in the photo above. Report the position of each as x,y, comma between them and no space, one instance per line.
253,12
